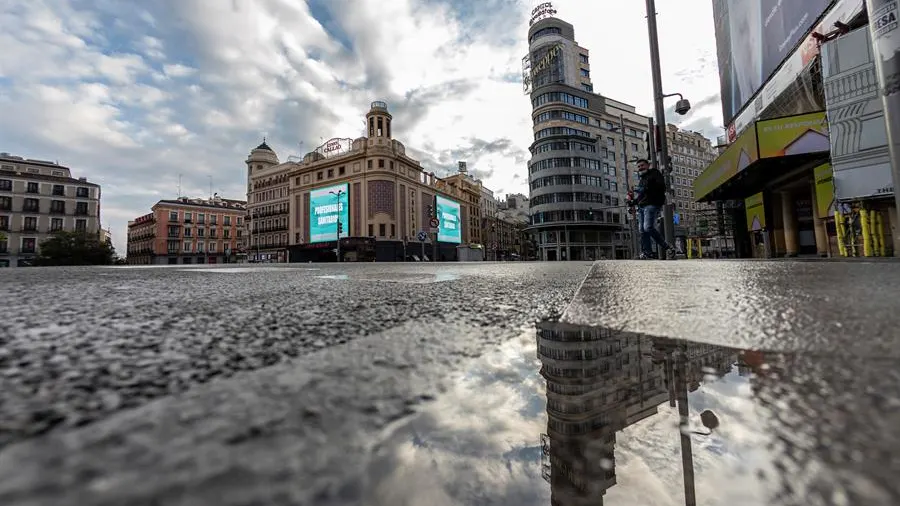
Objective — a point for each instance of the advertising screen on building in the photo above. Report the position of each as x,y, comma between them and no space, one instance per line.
326,207
793,135
753,38
449,222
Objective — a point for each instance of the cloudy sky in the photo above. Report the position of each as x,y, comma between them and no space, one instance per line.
132,94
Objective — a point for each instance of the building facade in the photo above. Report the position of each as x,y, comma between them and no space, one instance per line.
390,200
38,198
691,153
189,231
268,206
578,172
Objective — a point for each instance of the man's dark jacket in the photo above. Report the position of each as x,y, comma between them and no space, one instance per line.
652,186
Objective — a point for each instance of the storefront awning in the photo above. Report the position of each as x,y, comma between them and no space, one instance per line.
769,150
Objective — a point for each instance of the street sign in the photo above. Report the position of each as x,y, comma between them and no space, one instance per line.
422,236
434,222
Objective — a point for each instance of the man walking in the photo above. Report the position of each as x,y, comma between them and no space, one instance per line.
649,197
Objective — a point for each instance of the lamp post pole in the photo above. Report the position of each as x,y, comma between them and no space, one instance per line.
338,231
663,147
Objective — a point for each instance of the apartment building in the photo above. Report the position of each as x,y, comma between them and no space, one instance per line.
189,231
38,198
583,143
691,153
268,195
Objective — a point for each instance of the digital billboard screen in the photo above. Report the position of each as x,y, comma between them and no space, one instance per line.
326,206
449,222
753,38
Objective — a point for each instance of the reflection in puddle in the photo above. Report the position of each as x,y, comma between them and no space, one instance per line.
573,415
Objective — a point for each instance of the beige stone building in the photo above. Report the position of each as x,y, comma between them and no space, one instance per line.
268,190
390,196
691,153
38,198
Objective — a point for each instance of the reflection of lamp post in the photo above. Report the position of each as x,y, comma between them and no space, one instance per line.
338,232
632,246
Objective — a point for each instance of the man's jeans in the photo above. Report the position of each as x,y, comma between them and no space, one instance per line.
647,217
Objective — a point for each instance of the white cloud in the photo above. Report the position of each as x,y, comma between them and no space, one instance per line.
177,85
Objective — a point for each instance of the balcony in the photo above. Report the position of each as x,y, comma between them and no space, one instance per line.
277,228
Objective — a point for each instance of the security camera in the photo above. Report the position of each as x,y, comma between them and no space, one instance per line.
683,106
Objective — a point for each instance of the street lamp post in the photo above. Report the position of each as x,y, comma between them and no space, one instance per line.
338,232
682,107
632,247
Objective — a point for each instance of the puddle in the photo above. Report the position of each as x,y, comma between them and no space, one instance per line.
243,270
396,277
573,415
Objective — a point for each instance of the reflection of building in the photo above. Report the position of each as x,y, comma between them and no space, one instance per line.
188,231
390,196
598,382
578,163
38,198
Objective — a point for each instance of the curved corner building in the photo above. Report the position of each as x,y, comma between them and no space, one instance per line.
577,190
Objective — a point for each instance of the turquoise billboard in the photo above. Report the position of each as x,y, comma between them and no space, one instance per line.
449,223
327,206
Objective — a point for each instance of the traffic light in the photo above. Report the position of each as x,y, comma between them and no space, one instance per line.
590,214
430,211
340,227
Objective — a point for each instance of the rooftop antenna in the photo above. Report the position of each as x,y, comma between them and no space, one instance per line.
179,186
210,186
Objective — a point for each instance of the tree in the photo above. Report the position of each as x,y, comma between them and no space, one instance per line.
75,248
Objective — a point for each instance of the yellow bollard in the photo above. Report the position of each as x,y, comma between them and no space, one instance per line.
690,248
839,230
879,233
866,232
699,249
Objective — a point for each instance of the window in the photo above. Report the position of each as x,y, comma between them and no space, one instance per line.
30,224
213,219
371,230
587,87
227,221
341,170
226,233
6,185
32,205
187,247
330,173
560,131
381,231
82,192
28,244
188,232
56,224
380,163
319,176
58,206
212,247
585,73
80,225
81,208
201,232
5,203
59,190
32,188
4,222
368,164
174,232
583,58
200,247
188,217
240,221
556,96
634,146
561,115
393,230
391,165
543,32
173,215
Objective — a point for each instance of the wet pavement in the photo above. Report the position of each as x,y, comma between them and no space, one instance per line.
582,408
